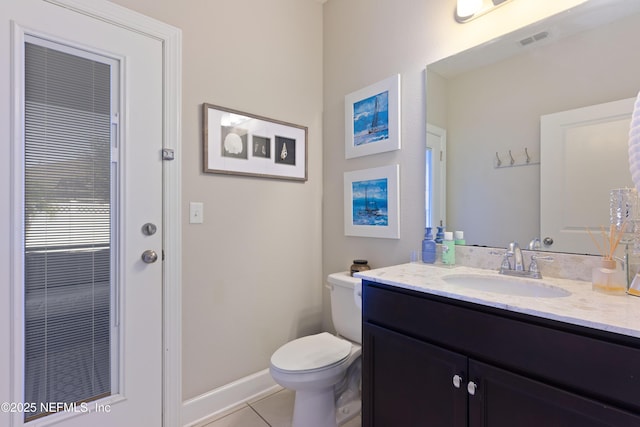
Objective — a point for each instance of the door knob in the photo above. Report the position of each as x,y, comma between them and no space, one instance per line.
548,241
149,256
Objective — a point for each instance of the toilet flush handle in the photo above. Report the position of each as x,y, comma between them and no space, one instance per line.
357,295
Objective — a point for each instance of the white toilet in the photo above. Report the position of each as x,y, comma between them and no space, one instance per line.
324,370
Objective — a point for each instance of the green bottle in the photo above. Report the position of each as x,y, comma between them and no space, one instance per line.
448,249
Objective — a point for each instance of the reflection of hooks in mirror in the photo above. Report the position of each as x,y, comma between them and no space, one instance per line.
524,158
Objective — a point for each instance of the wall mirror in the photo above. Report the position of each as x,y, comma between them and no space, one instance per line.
490,102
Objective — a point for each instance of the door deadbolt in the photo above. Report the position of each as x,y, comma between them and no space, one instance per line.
149,256
149,229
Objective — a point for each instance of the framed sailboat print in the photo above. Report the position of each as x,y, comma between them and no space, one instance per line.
372,203
372,118
238,143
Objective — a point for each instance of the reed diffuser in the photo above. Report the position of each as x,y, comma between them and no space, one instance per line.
610,241
605,277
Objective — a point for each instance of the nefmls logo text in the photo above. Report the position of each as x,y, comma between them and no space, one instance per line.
52,407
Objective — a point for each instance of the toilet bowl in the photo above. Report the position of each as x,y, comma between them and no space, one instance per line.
324,369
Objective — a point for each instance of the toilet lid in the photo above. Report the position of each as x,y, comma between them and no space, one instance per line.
311,352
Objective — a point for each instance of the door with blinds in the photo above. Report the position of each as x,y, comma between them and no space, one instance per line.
85,288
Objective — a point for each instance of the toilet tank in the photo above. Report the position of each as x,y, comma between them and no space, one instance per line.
346,303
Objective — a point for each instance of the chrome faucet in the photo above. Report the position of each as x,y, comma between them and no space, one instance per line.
517,269
515,251
535,244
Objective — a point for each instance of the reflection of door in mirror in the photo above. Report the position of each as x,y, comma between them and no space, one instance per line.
584,157
436,172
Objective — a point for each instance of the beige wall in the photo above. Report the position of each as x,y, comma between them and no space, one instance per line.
365,42
252,275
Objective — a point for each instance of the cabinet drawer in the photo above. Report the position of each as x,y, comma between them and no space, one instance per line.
578,362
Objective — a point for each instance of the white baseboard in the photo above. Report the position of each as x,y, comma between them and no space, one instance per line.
216,402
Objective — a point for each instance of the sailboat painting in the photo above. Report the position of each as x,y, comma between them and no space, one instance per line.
372,118
369,202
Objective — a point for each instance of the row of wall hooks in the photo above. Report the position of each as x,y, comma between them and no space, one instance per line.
509,159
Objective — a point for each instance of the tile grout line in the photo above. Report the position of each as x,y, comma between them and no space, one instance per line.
258,414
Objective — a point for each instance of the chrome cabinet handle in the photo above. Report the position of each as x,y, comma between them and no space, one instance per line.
149,256
471,388
457,381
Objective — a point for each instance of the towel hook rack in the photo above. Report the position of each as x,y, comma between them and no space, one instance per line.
511,158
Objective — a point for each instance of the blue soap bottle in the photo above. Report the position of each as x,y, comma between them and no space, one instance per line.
428,247
440,233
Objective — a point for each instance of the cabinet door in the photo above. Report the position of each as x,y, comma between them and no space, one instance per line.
407,382
504,399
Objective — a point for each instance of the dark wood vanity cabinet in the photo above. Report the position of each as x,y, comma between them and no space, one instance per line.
434,361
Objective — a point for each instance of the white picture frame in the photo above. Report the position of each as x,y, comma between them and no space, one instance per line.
372,119
239,143
372,202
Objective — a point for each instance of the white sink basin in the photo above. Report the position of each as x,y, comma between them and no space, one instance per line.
506,285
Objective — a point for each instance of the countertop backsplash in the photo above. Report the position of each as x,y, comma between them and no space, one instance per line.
563,266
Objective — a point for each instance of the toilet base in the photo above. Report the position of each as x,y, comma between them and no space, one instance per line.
348,411
314,408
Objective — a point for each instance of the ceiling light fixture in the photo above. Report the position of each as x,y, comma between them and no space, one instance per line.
468,10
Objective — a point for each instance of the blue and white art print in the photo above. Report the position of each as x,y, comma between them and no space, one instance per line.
372,119
371,202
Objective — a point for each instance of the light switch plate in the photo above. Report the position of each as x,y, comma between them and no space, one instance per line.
196,213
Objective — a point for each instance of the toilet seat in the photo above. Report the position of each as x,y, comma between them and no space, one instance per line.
311,353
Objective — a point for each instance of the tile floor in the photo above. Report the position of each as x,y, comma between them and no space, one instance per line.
275,410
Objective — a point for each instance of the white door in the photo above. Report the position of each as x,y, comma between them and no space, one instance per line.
131,393
583,157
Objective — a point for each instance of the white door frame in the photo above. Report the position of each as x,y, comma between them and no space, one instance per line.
437,142
171,38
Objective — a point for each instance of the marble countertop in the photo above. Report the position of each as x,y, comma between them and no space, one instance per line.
583,307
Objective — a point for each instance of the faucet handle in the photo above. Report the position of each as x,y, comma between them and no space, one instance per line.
541,257
533,267
506,263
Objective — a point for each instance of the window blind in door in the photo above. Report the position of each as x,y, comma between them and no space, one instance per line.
67,227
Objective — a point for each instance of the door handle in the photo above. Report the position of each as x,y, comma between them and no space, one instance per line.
149,256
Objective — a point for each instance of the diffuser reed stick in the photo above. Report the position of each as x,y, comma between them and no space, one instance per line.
610,240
